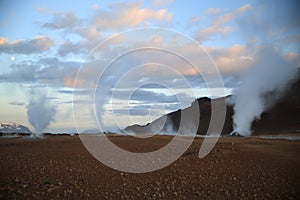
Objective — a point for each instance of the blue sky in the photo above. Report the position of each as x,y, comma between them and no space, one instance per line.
44,43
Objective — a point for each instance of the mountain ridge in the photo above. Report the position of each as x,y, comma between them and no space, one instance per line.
13,127
284,116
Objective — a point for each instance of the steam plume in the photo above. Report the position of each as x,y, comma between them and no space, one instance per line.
262,85
40,113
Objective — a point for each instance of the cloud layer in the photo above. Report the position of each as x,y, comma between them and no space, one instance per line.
235,38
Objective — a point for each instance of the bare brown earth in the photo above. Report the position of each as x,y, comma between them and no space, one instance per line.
59,167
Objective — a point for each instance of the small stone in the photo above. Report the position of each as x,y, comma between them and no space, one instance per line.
50,190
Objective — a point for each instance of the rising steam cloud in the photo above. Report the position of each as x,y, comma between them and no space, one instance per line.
261,86
40,113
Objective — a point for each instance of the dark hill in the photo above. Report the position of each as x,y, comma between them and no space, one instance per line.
283,117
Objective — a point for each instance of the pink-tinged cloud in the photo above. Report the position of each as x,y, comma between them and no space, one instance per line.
37,44
232,59
128,15
218,26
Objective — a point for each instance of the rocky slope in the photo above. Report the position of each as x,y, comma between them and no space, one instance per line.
284,116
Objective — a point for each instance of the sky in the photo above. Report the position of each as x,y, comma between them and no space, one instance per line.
57,53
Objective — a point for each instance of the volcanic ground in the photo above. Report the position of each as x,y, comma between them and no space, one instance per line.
59,167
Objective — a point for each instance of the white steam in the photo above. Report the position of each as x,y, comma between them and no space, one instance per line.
40,113
261,86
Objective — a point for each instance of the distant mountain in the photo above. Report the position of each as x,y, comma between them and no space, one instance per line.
172,123
283,117
11,127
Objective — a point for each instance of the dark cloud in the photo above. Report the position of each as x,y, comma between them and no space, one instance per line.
149,106
26,73
16,103
45,70
78,91
144,109
70,47
76,48
149,96
145,96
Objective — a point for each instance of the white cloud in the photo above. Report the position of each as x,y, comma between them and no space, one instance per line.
90,33
95,7
212,11
160,3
